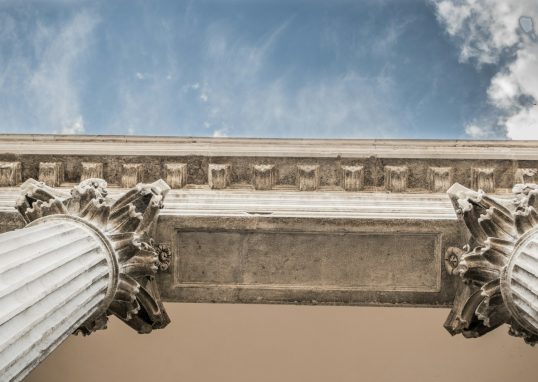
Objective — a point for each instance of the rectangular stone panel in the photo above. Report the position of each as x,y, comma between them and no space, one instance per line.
347,261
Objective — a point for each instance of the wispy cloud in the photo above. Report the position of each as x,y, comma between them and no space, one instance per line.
487,32
197,68
240,98
42,72
387,40
55,83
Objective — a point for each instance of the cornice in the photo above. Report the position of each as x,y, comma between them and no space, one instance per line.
251,147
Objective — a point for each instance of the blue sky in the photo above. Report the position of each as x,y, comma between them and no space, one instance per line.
267,68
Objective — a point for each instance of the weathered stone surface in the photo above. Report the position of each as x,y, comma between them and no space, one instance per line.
440,178
242,154
289,247
176,174
264,176
309,260
51,173
396,178
276,204
308,177
352,178
91,170
526,175
218,175
345,222
133,174
483,179
10,174
222,241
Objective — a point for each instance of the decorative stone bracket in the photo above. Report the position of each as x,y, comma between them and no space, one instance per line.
499,265
126,225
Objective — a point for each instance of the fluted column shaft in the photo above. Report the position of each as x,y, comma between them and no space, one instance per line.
55,274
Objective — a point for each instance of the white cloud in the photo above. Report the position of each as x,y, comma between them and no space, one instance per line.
475,131
488,33
484,28
76,127
219,133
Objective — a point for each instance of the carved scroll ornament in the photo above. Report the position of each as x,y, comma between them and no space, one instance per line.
126,223
499,266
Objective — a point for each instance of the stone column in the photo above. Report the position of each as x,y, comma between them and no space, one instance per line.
81,257
499,266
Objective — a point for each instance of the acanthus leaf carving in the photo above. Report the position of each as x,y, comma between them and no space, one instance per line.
499,266
127,223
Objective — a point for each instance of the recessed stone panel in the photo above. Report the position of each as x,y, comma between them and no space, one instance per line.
348,261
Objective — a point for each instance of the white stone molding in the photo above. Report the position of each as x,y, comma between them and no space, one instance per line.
290,148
